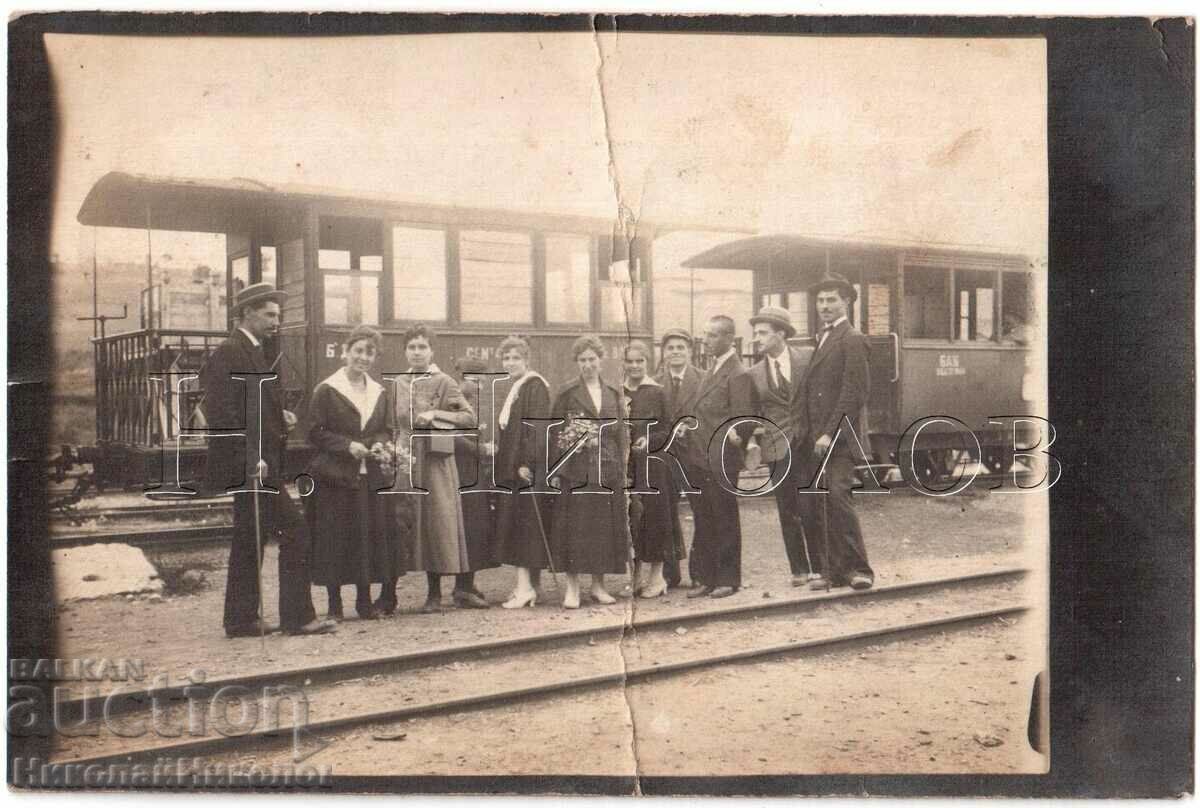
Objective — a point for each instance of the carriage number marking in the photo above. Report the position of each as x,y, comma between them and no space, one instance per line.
948,366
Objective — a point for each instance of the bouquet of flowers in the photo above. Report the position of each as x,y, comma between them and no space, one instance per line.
391,458
577,429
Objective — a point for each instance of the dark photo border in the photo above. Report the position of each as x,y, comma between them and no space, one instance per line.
1121,369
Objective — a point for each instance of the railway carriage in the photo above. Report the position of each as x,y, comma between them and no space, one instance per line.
944,324
949,331
475,275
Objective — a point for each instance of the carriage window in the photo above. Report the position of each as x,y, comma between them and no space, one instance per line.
1017,315
268,264
351,299
797,305
240,269
926,315
975,317
350,258
623,296
497,277
568,279
879,307
418,274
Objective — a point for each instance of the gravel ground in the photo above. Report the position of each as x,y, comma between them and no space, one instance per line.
908,537
955,702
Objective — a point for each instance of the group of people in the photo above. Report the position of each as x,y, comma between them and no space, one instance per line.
352,532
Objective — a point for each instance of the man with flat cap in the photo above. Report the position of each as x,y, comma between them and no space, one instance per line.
833,392
680,381
777,399
252,461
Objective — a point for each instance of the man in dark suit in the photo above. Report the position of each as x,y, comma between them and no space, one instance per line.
777,399
724,393
680,381
253,461
834,390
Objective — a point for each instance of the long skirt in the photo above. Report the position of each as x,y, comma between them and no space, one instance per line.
654,520
591,533
439,540
521,540
479,522
355,538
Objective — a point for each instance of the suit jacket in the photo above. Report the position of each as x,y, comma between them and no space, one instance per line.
688,388
836,384
723,395
227,404
783,411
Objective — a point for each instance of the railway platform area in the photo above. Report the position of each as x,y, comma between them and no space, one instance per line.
954,588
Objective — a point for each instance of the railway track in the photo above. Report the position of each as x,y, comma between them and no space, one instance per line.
349,694
173,537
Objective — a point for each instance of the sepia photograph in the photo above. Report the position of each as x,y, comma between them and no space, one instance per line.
545,403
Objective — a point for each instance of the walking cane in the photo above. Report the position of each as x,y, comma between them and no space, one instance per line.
537,512
258,551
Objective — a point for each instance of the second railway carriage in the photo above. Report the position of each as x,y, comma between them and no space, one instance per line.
950,331
474,275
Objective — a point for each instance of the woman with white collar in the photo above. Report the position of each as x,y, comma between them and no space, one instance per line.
652,518
522,519
354,539
427,399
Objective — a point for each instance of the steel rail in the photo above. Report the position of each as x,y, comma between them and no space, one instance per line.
133,700
272,735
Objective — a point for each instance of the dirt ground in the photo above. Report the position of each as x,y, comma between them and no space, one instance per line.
908,538
956,702
815,715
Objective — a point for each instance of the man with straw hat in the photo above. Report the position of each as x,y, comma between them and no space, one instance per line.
249,465
777,398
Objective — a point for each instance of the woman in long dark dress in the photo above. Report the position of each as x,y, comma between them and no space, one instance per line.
651,519
522,519
591,530
478,507
354,540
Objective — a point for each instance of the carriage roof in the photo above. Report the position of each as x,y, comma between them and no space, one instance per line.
786,249
139,201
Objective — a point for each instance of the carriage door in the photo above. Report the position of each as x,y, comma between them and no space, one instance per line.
876,310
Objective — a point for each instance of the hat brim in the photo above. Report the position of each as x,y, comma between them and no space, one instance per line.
278,295
788,328
845,289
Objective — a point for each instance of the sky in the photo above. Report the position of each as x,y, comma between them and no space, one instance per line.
940,140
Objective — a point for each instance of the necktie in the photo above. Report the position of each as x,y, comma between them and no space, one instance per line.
675,382
825,329
780,382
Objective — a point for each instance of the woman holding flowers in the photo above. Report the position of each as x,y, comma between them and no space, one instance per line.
591,529
354,540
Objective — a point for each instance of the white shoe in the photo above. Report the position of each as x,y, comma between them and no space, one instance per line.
601,596
519,601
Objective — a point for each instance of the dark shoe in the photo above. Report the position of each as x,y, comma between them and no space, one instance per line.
464,599
799,580
861,582
366,611
314,627
818,583
254,629
384,606
431,606
474,591
700,591
724,591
